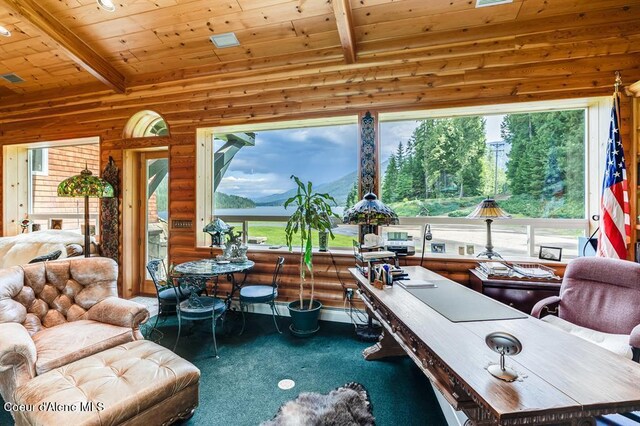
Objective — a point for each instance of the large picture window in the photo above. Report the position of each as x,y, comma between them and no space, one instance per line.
252,168
532,163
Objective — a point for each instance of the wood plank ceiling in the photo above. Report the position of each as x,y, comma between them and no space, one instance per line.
300,58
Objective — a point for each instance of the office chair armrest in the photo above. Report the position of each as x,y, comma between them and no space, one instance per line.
634,337
544,304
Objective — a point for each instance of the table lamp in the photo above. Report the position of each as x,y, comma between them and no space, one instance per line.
488,209
217,229
88,186
370,213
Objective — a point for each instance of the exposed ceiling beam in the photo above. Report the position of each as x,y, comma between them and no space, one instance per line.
77,50
344,22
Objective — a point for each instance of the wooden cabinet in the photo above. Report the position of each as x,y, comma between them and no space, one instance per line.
519,294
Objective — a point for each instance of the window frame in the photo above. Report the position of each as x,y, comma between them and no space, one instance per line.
597,116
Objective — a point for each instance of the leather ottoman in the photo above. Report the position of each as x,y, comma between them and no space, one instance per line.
137,383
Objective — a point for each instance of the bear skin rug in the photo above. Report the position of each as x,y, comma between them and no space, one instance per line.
347,405
20,249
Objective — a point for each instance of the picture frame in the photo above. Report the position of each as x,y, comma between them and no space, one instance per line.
550,253
438,248
461,251
55,224
471,249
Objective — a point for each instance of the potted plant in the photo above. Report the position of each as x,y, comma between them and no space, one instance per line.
313,211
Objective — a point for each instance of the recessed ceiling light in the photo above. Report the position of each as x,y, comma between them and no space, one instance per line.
225,40
483,3
12,78
4,32
107,5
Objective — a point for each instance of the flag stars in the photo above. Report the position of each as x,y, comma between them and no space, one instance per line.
616,174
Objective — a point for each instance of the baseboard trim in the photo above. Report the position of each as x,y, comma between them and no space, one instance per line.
326,313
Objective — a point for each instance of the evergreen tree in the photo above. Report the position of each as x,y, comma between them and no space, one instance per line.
352,196
390,181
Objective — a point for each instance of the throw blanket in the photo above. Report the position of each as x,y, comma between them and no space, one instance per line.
347,405
20,249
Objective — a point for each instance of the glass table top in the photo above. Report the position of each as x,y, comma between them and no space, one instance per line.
212,267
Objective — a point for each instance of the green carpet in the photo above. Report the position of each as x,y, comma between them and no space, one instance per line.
240,387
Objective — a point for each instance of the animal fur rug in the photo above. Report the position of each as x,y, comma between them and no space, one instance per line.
20,249
347,405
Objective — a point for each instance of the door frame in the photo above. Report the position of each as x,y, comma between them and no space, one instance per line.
132,251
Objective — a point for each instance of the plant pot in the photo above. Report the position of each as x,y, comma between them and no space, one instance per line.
304,322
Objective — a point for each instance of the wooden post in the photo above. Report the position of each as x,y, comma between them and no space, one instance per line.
368,158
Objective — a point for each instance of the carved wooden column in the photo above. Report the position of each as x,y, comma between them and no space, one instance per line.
368,155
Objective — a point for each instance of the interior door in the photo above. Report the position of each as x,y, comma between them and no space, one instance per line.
154,213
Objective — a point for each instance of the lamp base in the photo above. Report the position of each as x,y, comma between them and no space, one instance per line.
506,374
490,254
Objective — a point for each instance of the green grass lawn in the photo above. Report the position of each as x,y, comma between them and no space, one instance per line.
275,236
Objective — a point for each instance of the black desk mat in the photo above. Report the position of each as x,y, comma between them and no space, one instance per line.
461,304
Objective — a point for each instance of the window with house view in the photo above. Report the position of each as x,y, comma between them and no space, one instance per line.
49,167
252,170
533,164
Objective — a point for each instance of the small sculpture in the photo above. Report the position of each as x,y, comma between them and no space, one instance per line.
234,249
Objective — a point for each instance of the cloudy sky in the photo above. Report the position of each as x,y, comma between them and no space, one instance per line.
319,154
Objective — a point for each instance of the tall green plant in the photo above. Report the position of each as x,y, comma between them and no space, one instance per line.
313,211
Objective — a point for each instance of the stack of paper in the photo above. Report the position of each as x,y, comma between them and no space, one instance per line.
408,284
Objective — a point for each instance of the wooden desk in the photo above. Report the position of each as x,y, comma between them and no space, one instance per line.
520,294
563,379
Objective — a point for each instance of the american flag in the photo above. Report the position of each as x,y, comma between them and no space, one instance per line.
615,226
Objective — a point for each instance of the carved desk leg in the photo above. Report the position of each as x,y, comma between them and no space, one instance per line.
387,346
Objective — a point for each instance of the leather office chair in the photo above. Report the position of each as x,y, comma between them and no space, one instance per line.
598,301
251,294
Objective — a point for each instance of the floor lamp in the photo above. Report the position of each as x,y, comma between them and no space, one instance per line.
489,210
369,213
88,186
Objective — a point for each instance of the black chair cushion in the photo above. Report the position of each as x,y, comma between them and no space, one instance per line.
169,294
209,305
257,294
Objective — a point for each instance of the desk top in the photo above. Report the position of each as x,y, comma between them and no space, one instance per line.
561,376
211,267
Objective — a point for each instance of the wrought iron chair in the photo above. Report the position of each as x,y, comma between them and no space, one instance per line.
168,296
197,308
251,294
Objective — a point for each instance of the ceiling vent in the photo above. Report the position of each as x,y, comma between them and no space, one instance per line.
12,78
484,3
225,40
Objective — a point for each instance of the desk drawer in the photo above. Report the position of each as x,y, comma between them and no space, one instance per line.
519,298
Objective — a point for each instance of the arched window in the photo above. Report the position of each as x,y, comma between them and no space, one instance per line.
144,124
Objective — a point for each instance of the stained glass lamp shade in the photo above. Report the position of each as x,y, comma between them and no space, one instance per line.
370,212
489,210
216,229
88,186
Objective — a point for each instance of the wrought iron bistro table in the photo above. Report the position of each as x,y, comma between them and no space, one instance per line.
198,271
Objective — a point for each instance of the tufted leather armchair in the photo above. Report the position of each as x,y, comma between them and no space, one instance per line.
54,313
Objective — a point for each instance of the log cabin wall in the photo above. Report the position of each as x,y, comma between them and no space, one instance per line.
407,55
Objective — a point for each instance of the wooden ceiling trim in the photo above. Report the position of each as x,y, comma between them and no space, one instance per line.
546,8
205,104
502,30
390,48
335,74
67,41
464,20
145,12
344,22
